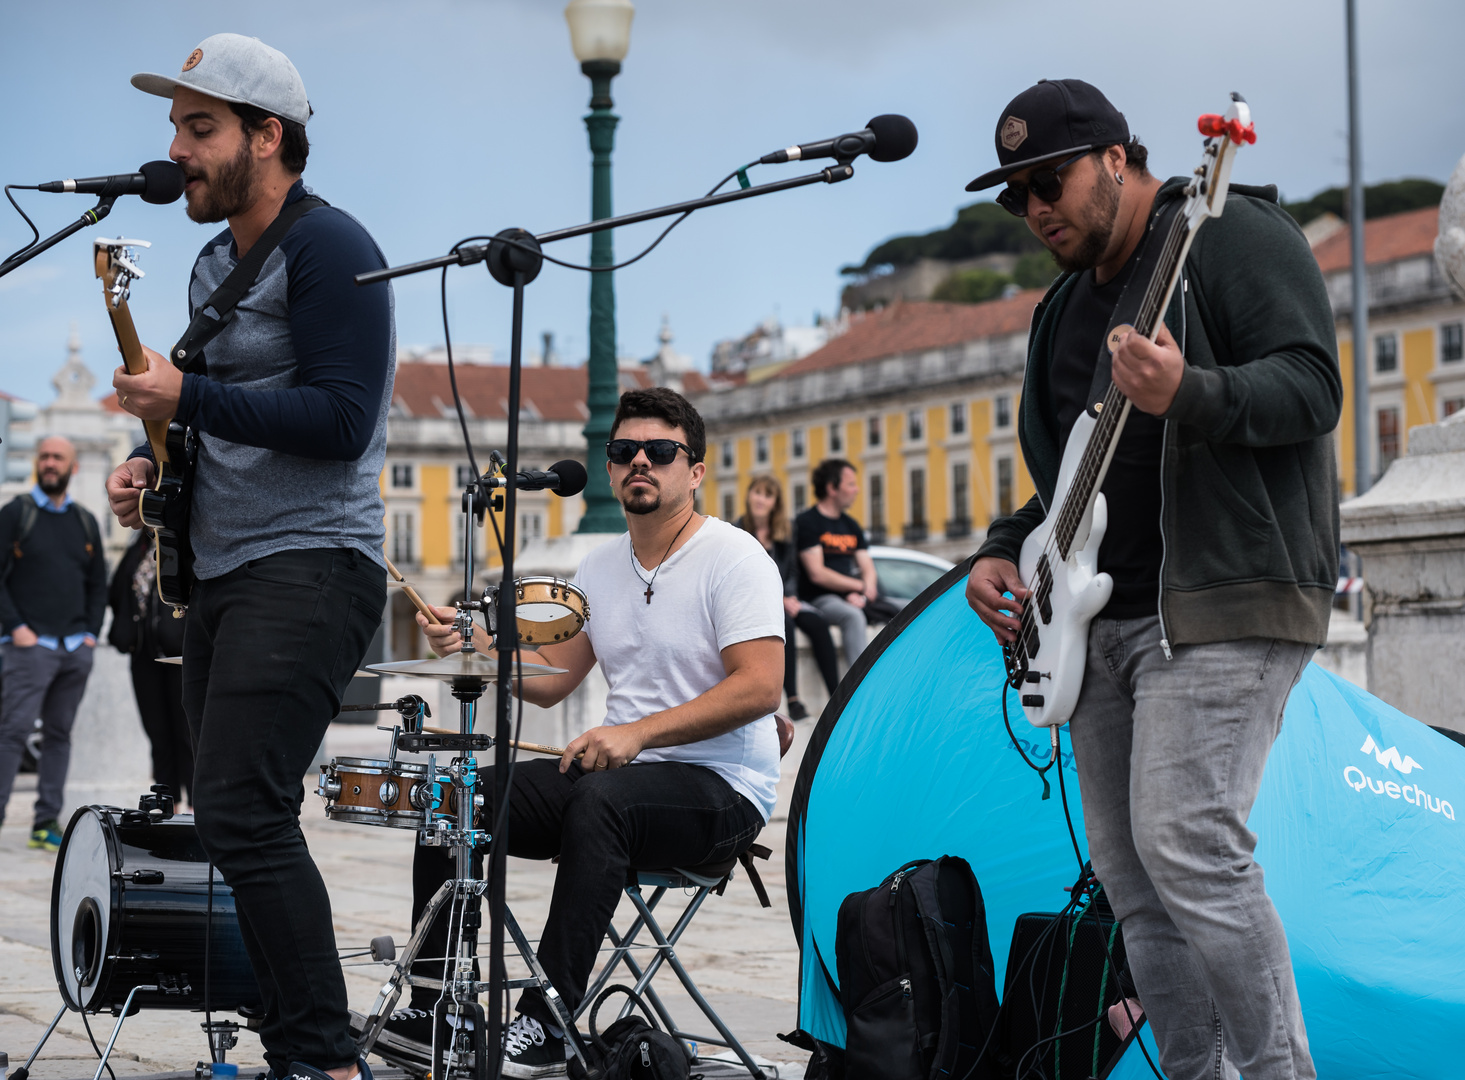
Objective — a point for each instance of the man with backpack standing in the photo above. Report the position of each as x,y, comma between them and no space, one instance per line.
53,594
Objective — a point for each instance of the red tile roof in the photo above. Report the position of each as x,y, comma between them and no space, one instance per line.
1385,239
109,404
917,325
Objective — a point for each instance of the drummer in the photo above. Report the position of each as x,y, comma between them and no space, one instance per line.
688,631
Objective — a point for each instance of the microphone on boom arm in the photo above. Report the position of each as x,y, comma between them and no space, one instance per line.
888,137
156,181
564,478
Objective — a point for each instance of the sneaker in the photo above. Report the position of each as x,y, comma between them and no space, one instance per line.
531,1052
46,836
405,1040
797,709
413,1025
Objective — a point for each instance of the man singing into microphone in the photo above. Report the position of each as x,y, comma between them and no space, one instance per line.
286,519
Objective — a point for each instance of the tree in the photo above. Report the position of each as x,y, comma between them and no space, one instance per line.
972,286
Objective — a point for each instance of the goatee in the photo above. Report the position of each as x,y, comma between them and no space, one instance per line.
229,191
1098,225
53,483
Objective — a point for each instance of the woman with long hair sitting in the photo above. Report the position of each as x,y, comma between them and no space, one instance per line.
766,518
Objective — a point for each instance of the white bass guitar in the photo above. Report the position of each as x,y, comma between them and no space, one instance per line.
1059,560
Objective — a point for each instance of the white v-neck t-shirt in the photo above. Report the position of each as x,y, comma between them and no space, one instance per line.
719,589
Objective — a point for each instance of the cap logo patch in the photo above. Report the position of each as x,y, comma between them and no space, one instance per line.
193,59
1014,133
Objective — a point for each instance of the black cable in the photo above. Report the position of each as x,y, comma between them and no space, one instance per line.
87,1024
35,232
1083,866
1023,754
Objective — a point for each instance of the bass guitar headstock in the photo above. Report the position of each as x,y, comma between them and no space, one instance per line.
1205,195
116,265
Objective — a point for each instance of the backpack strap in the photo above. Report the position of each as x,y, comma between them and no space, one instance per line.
29,511
89,527
187,354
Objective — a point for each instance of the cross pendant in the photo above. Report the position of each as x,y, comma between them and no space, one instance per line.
648,594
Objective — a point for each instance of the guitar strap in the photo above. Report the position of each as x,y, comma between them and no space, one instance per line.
188,353
1127,309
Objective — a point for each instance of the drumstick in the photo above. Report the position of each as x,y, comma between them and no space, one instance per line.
412,593
533,748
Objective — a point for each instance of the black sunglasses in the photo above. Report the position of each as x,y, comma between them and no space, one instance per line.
658,451
1046,184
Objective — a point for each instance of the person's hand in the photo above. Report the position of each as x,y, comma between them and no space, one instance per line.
126,483
443,637
1149,372
154,394
89,641
989,579
792,607
607,747
23,637
855,599
872,591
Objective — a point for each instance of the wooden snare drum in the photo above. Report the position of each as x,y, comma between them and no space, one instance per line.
370,791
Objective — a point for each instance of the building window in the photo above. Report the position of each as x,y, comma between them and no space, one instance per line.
961,509
1388,423
727,453
1385,354
761,453
402,475
729,506
531,526
915,529
1002,411
465,476
958,417
1454,405
1452,342
796,442
836,438
801,497
915,425
1004,486
877,508
874,439
403,546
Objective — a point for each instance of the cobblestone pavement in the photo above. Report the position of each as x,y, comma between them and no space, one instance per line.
743,956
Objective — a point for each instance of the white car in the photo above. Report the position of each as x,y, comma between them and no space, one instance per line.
904,573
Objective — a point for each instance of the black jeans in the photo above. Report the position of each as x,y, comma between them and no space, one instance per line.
650,817
159,692
816,629
267,652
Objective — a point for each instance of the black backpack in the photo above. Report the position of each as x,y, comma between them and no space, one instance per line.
630,1049
915,977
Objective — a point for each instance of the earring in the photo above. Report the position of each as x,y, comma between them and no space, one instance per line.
1118,176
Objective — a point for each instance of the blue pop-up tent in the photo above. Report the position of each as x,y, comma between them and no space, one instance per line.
1358,819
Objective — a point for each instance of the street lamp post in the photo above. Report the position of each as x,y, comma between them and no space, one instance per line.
600,34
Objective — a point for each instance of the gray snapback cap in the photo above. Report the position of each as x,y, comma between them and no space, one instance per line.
243,70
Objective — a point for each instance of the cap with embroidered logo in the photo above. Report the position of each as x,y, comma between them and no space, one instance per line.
1057,118
238,69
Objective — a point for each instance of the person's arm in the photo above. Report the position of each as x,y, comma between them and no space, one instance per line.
752,689
812,560
10,616
870,580
576,656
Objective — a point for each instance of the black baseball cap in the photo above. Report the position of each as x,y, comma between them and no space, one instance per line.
1057,118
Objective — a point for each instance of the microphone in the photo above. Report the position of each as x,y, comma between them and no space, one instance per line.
157,182
888,137
564,478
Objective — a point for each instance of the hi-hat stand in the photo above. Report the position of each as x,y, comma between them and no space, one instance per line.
514,259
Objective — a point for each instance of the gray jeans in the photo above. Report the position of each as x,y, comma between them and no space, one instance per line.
44,683
1170,756
839,612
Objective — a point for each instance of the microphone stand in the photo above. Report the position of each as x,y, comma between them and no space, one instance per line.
514,260
91,217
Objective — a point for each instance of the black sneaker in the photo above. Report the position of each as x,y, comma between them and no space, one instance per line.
531,1052
797,710
414,1025
405,1040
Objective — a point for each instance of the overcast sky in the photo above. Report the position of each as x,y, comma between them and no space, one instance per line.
438,119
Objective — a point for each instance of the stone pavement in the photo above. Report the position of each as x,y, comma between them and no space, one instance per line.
743,956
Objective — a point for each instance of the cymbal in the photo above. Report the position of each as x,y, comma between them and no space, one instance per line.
177,661
474,665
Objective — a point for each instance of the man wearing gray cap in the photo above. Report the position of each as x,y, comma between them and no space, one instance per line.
1222,546
289,409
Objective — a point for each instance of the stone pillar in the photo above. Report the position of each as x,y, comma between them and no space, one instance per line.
1409,530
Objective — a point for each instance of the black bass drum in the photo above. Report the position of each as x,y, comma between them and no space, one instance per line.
129,908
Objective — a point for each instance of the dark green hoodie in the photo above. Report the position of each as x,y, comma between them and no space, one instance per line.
1249,518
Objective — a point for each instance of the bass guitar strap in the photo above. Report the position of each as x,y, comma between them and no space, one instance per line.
1130,300
215,312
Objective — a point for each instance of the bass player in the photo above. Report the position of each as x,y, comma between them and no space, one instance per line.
286,520
1223,509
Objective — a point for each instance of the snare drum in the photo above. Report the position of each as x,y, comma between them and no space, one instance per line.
536,593
370,791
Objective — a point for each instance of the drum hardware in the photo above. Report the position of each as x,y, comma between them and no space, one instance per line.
223,1035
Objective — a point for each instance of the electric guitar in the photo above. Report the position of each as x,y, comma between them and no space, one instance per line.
1059,560
165,506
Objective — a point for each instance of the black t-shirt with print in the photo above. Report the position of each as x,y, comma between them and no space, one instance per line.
839,537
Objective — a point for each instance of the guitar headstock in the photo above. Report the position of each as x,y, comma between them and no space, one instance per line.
116,265
1205,195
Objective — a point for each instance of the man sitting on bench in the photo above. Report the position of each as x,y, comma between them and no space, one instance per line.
687,626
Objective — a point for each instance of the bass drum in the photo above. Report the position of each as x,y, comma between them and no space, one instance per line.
130,907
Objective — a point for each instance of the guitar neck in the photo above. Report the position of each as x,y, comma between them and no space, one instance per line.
136,364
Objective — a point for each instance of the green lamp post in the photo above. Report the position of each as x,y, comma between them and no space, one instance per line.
600,34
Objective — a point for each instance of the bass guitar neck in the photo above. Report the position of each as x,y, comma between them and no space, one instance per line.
128,343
